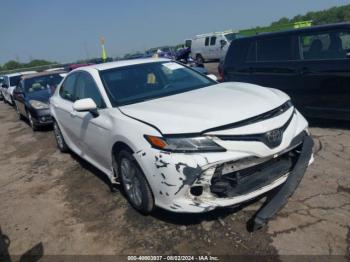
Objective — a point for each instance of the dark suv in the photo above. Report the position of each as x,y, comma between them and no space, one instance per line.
312,65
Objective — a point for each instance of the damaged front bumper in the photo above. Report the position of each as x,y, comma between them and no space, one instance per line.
200,182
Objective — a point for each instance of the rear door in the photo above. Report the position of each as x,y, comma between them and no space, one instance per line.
214,51
206,48
267,61
19,98
325,70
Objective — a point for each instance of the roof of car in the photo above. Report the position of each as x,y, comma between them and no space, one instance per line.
110,65
13,74
301,30
44,73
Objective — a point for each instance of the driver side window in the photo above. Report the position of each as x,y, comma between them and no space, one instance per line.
86,88
67,88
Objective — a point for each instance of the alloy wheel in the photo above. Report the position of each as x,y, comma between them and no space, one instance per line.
132,184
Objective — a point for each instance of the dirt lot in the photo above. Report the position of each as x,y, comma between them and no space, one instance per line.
60,204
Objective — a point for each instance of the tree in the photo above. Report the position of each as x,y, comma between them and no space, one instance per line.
12,64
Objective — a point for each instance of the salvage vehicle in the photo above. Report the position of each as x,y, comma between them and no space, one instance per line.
312,65
179,140
31,97
9,84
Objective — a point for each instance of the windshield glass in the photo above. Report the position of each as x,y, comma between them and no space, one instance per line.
137,83
39,83
231,37
14,80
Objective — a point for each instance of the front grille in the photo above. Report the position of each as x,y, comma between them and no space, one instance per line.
252,178
272,138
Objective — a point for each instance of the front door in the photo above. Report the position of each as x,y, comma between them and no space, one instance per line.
68,120
93,130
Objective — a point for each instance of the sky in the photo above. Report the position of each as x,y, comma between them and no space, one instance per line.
68,30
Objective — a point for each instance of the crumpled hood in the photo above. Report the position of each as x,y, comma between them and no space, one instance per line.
205,108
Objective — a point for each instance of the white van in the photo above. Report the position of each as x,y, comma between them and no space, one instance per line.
212,46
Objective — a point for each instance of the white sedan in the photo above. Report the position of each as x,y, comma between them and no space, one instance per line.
179,140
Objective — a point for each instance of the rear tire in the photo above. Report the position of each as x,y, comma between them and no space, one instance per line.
135,185
61,144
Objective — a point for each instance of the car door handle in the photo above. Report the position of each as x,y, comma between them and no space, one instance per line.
73,114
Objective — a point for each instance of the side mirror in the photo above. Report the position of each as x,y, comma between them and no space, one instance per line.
223,43
212,77
86,105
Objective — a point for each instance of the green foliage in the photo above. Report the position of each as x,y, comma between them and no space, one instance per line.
12,65
332,15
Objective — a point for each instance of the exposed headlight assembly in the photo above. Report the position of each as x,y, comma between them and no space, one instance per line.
184,145
38,104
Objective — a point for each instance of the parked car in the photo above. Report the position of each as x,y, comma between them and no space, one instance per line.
31,97
211,46
179,140
9,84
312,65
75,66
1,82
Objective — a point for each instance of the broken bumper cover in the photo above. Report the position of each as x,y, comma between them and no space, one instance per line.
280,197
188,183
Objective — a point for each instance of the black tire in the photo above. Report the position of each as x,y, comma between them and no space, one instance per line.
199,59
31,121
61,144
20,117
12,101
146,203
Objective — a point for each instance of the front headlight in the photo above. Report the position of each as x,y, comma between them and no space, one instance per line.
38,104
181,144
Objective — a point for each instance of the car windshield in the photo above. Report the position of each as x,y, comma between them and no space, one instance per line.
231,37
14,80
39,83
137,83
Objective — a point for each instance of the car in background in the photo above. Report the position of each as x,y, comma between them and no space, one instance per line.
31,97
75,66
9,84
179,140
1,82
312,65
212,46
55,69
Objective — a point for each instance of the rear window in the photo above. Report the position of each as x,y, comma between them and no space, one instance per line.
275,49
327,45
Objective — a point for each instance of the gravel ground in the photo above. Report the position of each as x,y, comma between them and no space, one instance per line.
57,203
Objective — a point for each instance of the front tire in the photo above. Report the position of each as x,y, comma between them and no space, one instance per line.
61,144
199,59
31,122
20,117
135,185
